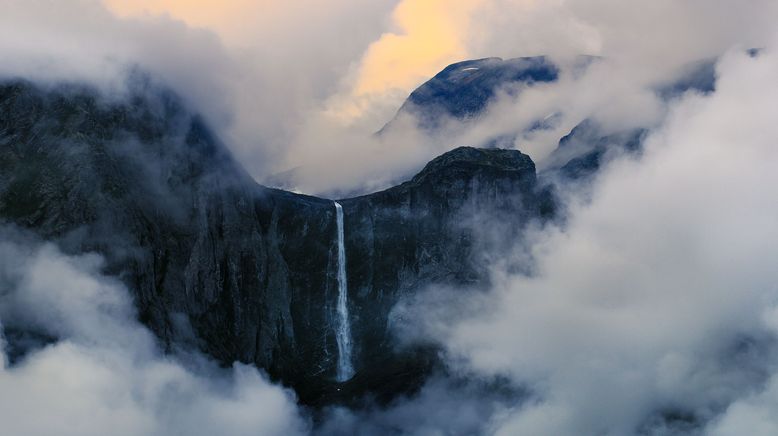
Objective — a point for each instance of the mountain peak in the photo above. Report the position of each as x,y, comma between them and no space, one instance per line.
463,89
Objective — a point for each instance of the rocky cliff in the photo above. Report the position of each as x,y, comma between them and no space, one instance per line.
240,271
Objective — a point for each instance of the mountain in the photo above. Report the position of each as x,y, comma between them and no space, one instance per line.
584,150
239,271
464,89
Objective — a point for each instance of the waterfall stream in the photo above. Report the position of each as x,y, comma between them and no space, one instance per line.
345,369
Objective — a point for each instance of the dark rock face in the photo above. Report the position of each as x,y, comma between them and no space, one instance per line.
426,231
583,151
213,259
464,89
240,271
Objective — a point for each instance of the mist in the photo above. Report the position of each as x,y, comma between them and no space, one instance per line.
651,310
101,372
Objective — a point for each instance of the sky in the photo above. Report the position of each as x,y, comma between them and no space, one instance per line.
657,295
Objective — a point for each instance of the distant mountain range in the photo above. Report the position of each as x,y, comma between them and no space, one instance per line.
464,89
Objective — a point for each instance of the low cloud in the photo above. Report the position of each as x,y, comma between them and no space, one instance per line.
105,373
649,312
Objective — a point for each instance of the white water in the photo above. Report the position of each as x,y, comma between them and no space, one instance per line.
343,328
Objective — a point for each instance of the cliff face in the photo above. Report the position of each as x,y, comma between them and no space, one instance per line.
214,259
438,228
240,271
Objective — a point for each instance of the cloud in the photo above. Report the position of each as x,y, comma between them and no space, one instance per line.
106,373
254,69
445,405
430,35
79,41
283,63
648,303
754,415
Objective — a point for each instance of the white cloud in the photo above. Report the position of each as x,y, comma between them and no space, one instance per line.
641,302
256,83
753,416
106,374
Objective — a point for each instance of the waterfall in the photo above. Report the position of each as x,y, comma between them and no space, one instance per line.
343,328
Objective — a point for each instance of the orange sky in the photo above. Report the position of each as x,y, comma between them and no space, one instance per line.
429,35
